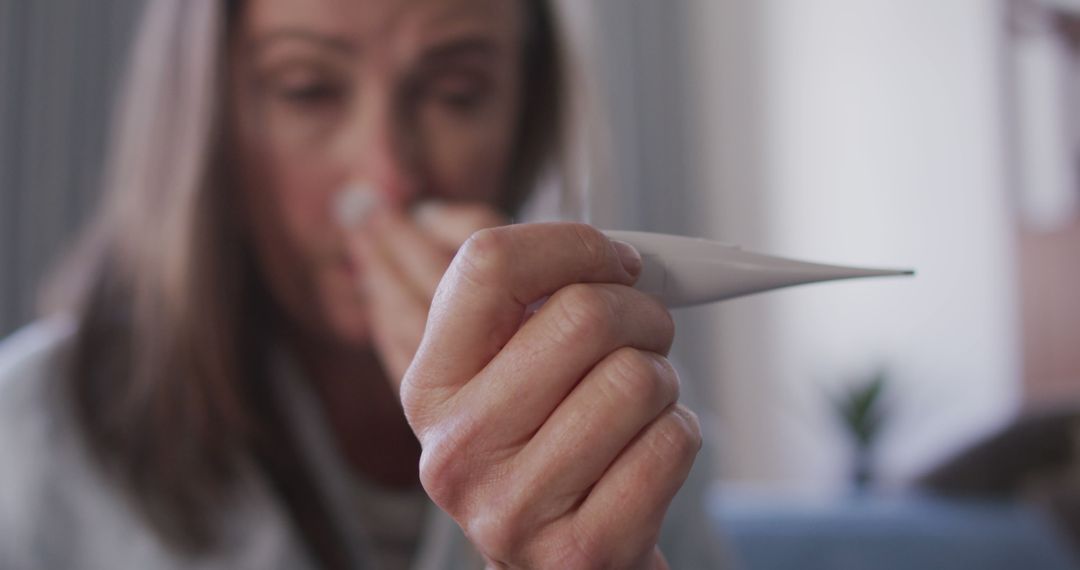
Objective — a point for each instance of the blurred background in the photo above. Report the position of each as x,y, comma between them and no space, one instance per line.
937,134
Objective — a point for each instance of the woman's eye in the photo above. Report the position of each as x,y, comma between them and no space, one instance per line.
460,92
303,87
311,94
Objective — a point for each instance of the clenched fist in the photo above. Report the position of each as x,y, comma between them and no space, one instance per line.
554,439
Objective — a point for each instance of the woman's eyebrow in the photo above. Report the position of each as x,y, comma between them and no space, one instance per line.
476,46
323,40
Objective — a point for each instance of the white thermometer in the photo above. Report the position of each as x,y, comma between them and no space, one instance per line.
680,271
683,271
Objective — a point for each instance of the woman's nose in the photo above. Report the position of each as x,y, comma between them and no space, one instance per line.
386,157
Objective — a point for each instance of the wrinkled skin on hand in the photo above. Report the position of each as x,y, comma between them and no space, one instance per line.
554,439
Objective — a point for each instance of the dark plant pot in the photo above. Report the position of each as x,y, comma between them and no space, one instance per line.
863,473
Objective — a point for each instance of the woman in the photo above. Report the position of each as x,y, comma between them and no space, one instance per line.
243,383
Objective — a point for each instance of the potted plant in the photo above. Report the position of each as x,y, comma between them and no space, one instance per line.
862,412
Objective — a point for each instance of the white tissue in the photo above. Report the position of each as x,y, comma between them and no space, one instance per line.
353,204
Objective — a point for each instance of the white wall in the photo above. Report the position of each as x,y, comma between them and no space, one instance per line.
865,132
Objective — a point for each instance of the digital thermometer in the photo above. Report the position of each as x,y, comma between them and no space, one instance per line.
683,271
680,271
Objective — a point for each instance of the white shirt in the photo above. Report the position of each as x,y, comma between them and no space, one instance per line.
58,511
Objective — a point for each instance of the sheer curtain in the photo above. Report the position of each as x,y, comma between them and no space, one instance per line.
59,61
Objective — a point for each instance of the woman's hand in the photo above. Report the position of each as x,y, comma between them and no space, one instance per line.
556,443
403,259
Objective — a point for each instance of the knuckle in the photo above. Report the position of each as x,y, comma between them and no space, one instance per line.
490,536
475,488
447,465
495,530
678,433
413,402
485,257
637,376
587,313
666,324
439,475
662,324
594,244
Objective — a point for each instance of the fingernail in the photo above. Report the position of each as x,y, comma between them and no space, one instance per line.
353,205
630,258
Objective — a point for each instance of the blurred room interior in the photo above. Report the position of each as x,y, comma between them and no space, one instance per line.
939,135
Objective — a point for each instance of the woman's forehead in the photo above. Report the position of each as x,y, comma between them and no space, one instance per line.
360,22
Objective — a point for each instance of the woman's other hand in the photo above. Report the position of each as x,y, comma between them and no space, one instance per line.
557,443
403,258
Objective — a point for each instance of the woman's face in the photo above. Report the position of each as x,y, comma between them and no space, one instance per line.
416,99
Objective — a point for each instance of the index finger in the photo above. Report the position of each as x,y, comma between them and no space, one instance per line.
497,273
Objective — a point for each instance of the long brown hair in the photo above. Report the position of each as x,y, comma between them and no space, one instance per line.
167,380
